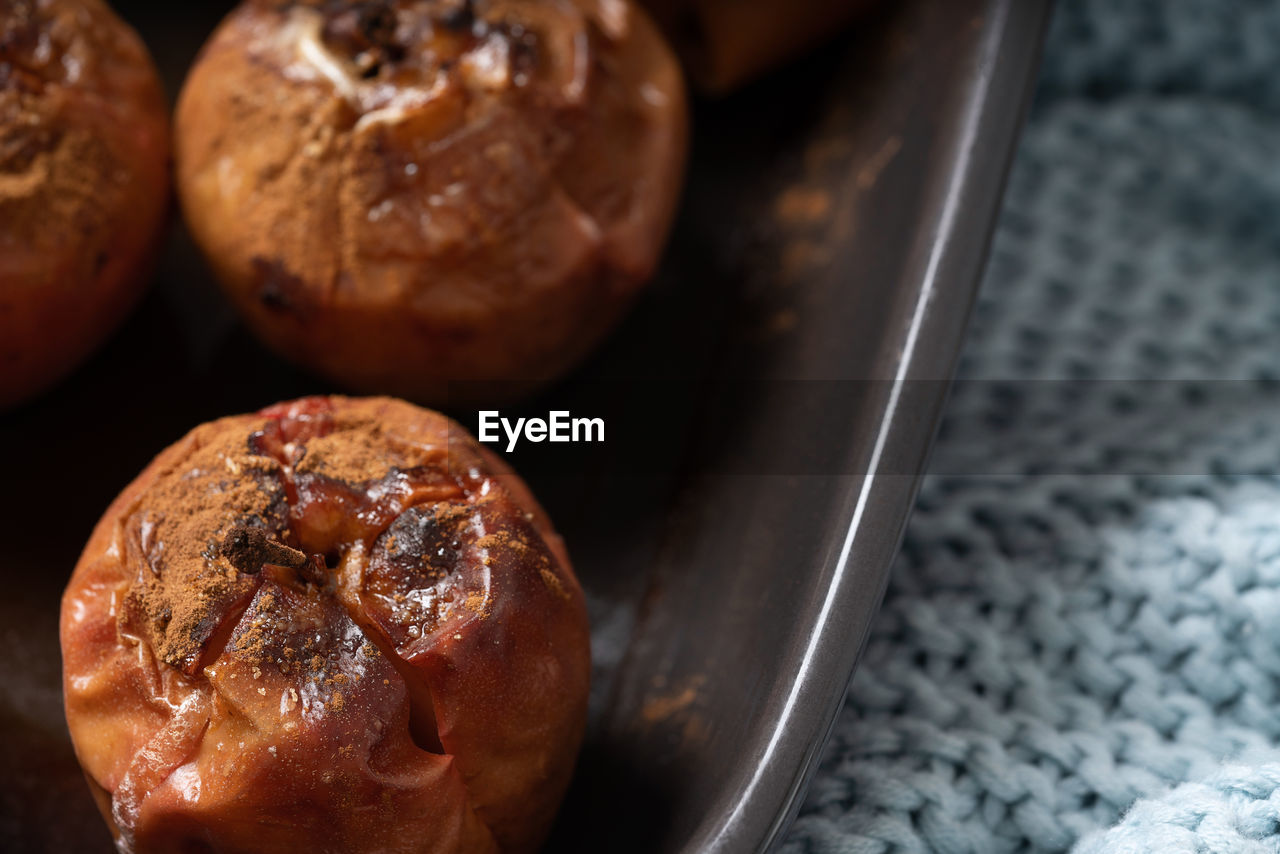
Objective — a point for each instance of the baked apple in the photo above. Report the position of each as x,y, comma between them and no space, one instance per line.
84,183
403,193
335,625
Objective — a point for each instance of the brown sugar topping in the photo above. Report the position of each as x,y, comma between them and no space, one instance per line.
216,527
353,455
359,451
553,582
189,587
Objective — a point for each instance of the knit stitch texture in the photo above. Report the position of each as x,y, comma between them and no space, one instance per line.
1086,612
1236,811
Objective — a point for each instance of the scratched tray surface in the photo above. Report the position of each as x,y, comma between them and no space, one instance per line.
828,247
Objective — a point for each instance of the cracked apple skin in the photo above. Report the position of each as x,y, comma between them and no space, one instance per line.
442,200
422,688
84,184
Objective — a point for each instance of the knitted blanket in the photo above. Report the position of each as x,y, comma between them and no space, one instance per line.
1080,646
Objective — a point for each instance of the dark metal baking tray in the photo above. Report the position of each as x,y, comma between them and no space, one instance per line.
816,287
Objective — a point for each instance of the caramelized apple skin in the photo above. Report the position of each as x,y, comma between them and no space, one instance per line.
428,694
84,184
473,192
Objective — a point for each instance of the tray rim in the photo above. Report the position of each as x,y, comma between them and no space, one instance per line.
945,287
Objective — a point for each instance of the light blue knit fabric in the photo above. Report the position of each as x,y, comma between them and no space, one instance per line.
1235,811
1086,612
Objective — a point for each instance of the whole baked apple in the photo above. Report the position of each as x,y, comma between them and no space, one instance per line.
335,625
84,184
401,194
